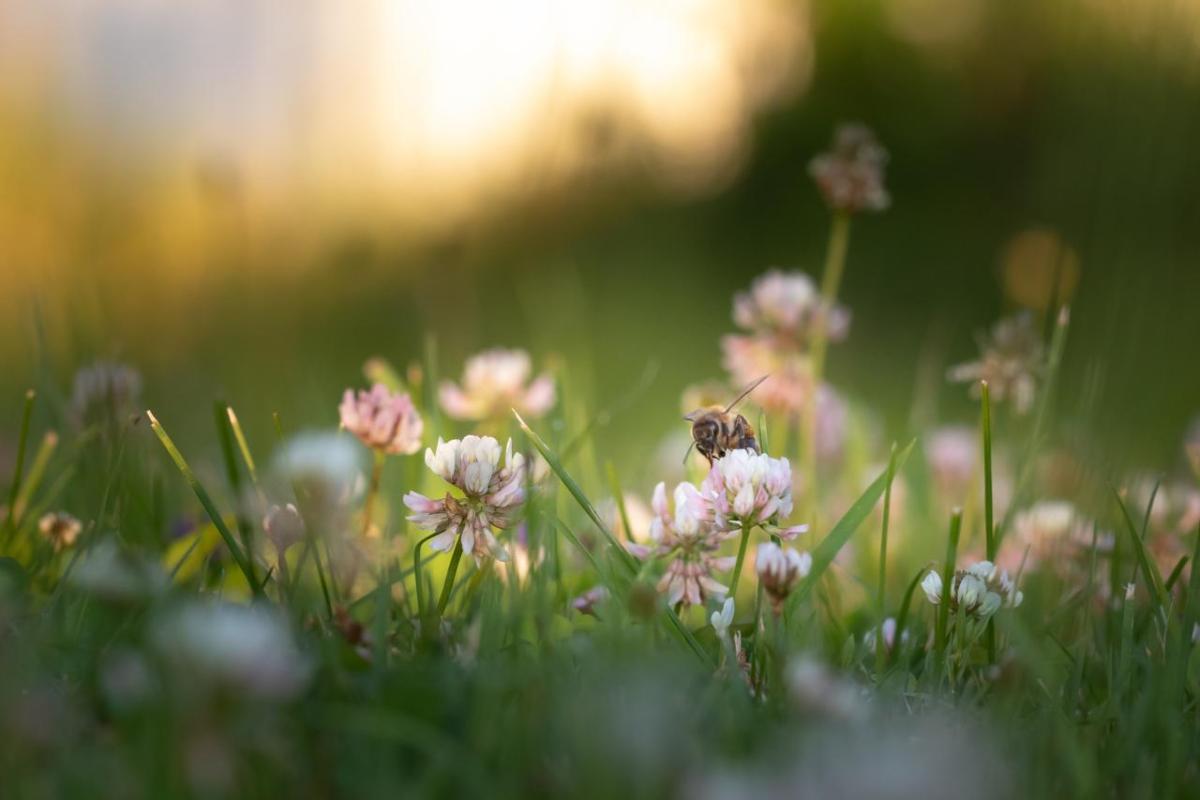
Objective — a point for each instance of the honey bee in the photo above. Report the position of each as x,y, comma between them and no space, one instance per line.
715,431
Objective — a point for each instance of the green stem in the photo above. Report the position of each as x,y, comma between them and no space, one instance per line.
455,557
943,615
880,644
831,281
741,558
989,531
372,490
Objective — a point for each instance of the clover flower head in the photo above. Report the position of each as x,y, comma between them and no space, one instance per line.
953,455
383,420
980,590
60,529
283,527
889,635
779,569
1011,362
687,536
850,176
746,488
587,602
248,649
492,494
789,306
494,382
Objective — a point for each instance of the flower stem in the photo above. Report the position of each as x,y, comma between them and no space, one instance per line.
943,609
831,281
741,558
455,557
372,490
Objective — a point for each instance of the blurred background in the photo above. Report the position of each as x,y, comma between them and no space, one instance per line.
246,199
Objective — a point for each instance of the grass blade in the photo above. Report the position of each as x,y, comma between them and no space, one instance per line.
206,501
1143,559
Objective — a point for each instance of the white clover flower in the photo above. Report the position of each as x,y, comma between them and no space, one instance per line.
492,494
889,635
745,488
116,575
686,535
248,649
723,619
980,590
850,175
324,463
283,527
779,569
494,382
814,688
382,420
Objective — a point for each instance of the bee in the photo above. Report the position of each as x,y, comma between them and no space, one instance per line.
715,431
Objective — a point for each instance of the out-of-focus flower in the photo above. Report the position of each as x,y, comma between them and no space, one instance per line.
889,635
105,390
382,420
323,464
745,488
246,649
816,690
60,529
112,574
980,590
953,456
640,517
1050,531
788,305
779,568
723,619
1191,446
495,382
283,527
491,495
690,539
587,602
748,358
850,175
1173,520
1011,361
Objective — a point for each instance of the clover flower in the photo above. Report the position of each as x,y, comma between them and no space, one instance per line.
779,568
889,635
283,527
247,649
980,590
688,537
745,488
382,420
1011,362
1050,531
491,495
850,175
789,306
105,390
60,529
493,383
953,455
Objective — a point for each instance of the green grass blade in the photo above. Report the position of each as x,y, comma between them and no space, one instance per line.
206,501
1144,561
18,466
240,437
824,553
